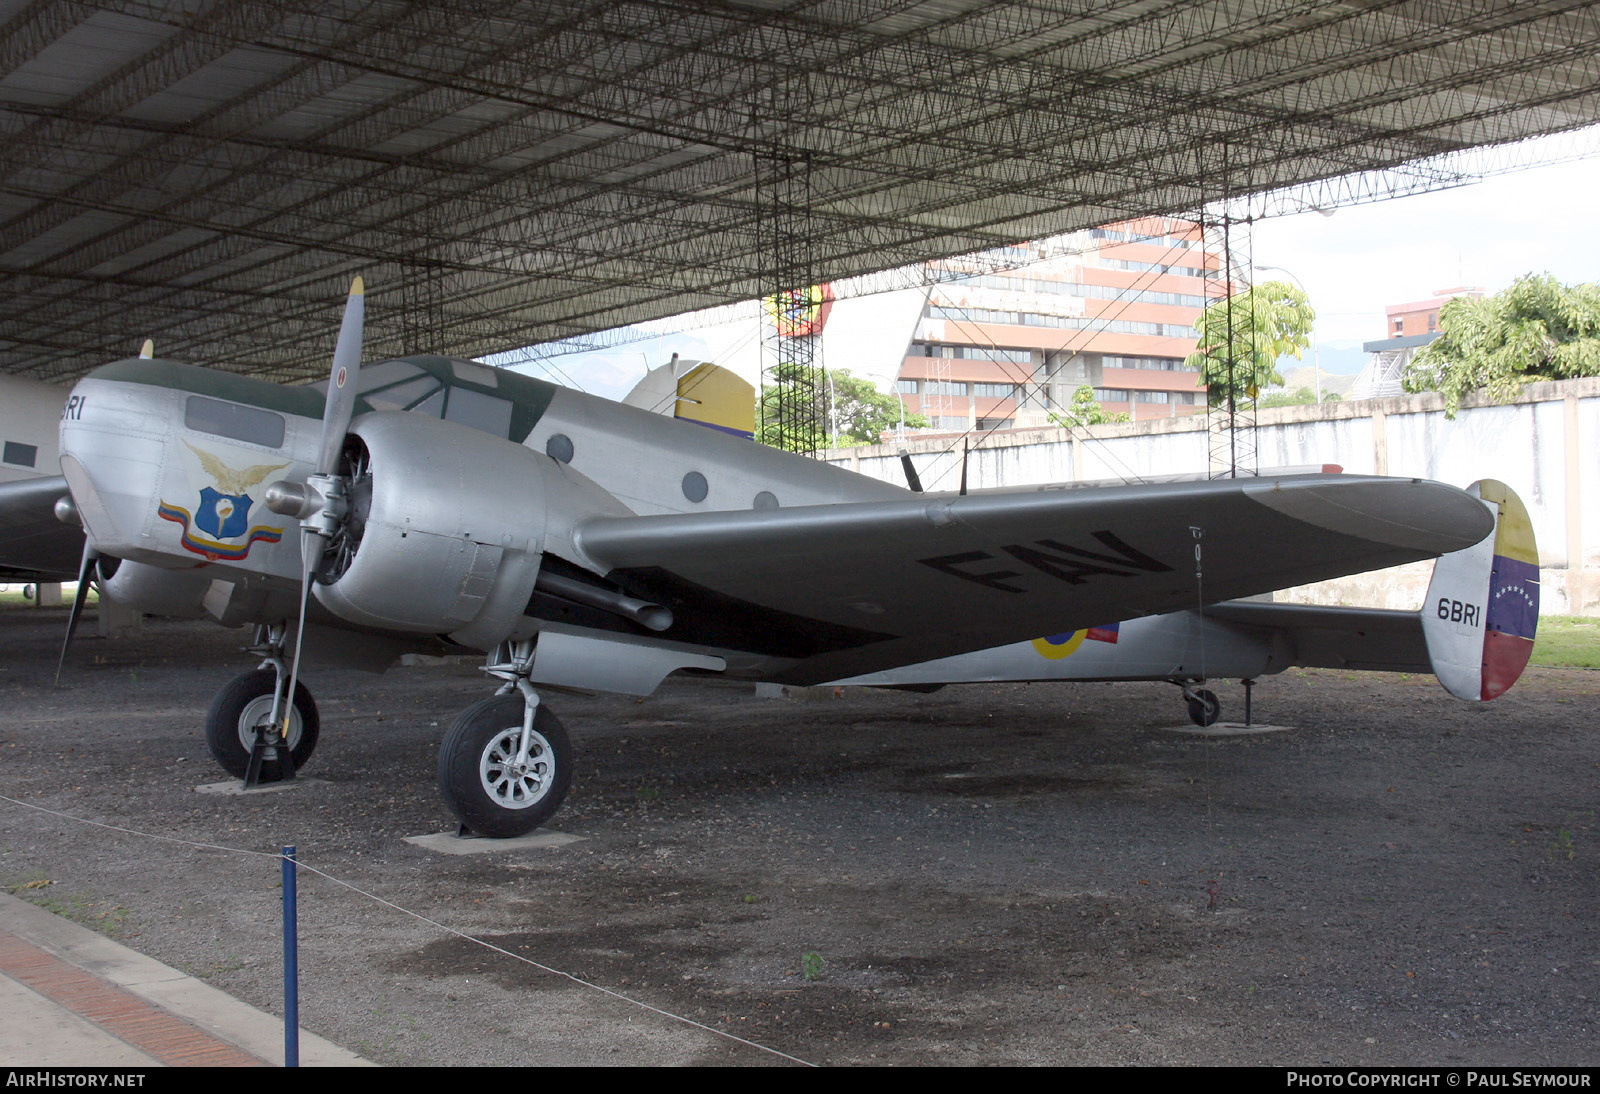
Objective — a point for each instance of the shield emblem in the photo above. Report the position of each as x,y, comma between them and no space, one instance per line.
223,516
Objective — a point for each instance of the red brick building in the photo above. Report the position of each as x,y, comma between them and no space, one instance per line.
1113,308
1422,316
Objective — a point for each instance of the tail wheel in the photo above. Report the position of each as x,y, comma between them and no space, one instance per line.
1203,707
241,711
481,779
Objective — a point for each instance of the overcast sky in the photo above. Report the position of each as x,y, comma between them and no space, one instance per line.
1352,264
1364,257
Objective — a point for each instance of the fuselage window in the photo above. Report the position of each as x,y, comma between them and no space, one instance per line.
20,455
249,424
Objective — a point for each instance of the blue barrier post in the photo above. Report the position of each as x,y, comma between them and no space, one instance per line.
291,965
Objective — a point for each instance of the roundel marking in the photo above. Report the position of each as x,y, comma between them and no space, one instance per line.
339,380
1056,646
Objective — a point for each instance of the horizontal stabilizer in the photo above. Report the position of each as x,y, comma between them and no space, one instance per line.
1355,639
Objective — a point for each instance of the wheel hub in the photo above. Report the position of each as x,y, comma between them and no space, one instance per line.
256,715
515,785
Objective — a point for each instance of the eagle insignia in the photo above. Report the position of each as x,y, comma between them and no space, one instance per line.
219,527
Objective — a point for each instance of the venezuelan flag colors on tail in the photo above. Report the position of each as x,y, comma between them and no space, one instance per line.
1482,609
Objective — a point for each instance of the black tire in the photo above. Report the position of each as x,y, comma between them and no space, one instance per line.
246,702
477,786
1204,708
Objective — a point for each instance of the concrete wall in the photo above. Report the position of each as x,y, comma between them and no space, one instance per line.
1545,444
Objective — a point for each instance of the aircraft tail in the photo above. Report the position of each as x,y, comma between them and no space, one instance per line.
698,392
1482,608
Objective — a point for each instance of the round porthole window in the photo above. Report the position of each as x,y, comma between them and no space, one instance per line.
559,448
694,486
765,500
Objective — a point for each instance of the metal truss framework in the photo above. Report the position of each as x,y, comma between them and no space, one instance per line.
210,173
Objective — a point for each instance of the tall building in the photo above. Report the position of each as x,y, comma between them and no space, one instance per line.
1112,308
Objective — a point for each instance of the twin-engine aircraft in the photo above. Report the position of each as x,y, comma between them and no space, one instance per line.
594,546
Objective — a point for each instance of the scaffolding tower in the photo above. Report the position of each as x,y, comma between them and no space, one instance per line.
1231,417
793,387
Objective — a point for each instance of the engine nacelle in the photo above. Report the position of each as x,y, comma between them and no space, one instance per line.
449,530
176,594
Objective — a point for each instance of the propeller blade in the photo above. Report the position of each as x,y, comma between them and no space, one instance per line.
148,350
85,568
309,556
342,381
913,480
320,502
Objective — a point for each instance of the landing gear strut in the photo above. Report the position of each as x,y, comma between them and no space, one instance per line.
244,727
506,763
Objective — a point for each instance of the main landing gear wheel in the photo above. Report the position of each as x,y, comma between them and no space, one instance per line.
240,712
480,779
1203,707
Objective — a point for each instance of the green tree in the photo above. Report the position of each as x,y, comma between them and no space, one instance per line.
1083,410
1251,329
1538,329
863,412
1300,396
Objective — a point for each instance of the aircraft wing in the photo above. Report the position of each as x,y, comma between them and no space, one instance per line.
847,589
33,542
1371,639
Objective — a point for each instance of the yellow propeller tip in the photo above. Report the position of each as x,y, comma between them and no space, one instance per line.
148,350
358,288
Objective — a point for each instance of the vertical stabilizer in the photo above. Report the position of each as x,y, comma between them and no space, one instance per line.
698,392
1482,608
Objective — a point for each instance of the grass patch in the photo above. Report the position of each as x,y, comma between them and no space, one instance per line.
110,919
1567,642
11,596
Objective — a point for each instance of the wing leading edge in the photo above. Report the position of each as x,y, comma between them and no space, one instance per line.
845,589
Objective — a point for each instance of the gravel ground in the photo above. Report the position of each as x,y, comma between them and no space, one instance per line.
984,875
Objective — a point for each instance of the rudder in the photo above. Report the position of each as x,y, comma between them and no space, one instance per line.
1482,609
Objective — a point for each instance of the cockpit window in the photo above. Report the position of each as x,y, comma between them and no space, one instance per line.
373,377
433,405
474,373
403,396
385,374
240,423
480,411
447,387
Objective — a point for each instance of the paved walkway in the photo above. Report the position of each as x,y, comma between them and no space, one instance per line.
71,997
